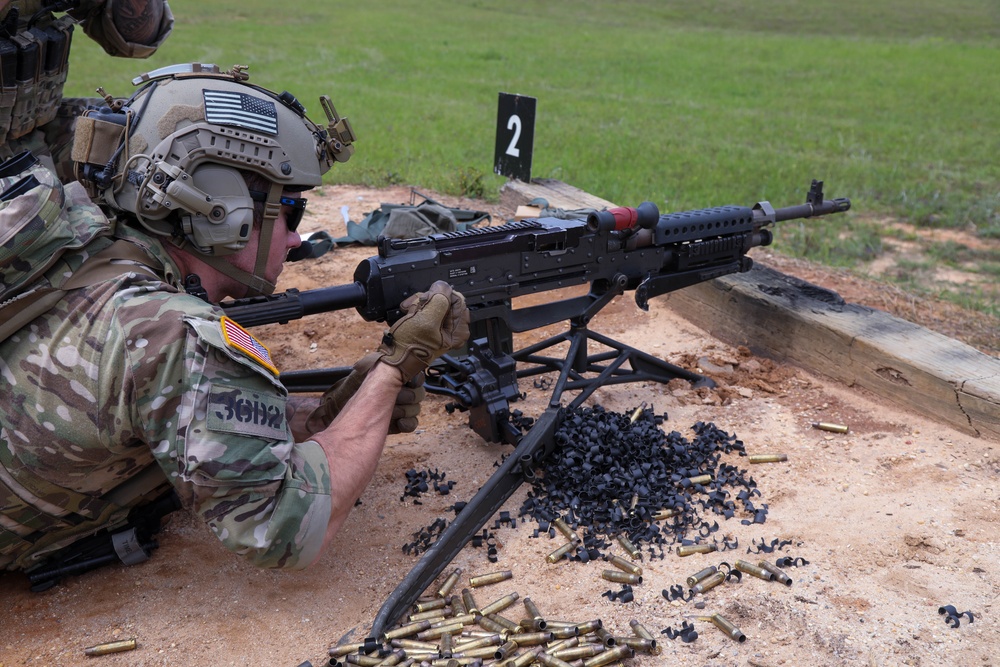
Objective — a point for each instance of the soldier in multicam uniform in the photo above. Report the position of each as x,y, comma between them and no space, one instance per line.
136,383
34,61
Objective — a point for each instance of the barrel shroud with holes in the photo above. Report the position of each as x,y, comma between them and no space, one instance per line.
611,251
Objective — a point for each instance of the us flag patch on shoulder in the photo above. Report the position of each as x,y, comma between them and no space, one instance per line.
239,338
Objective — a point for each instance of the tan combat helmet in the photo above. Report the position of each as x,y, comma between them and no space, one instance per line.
170,156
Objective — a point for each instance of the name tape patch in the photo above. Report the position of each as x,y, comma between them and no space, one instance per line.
244,412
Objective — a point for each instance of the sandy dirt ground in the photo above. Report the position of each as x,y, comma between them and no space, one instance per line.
896,518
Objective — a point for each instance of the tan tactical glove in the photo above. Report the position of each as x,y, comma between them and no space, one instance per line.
436,321
404,413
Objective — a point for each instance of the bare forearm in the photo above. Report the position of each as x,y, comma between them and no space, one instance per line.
354,441
138,20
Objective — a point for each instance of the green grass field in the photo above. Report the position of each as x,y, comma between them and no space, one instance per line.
893,103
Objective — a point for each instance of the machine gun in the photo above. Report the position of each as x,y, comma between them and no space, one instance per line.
612,251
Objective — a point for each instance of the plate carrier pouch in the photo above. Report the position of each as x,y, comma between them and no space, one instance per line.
41,220
42,223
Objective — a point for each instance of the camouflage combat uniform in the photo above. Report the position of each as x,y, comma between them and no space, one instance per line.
45,126
133,375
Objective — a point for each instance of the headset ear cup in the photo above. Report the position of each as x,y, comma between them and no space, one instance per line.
229,221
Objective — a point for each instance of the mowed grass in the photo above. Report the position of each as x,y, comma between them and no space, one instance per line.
892,103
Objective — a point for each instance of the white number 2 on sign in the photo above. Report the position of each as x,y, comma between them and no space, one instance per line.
514,124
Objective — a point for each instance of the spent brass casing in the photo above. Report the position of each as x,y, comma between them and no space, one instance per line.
445,646
534,614
754,570
393,658
550,660
500,604
412,645
728,628
701,575
429,614
458,606
767,458
532,638
505,650
449,583
640,630
464,619
343,649
627,545
699,479
489,624
636,413
688,549
470,602
711,582
563,527
456,662
111,647
435,633
531,608
779,575
524,659
609,656
510,626
407,630
479,642
491,578
421,606
622,564
665,514
832,428
559,644
481,652
557,555
587,627
362,660
606,637
621,577
562,631
577,652
533,624
638,644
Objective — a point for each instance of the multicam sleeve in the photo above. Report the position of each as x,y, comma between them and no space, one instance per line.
215,418
99,24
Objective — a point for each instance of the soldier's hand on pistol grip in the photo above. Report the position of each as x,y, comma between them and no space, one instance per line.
436,321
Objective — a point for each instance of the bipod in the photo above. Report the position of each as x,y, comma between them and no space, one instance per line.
608,365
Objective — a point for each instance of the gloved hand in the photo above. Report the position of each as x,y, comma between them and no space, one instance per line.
436,321
404,412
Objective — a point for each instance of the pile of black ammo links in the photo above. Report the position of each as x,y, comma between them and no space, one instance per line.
609,475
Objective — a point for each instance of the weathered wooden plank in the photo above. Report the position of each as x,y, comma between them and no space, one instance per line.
782,317
556,193
785,318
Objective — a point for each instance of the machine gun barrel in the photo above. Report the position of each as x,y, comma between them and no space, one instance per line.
293,305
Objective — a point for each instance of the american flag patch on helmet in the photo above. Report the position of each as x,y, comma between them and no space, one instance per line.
224,107
239,338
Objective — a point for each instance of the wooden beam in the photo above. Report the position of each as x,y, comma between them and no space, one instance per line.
784,318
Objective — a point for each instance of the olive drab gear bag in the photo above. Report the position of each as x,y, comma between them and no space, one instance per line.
399,221
41,220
